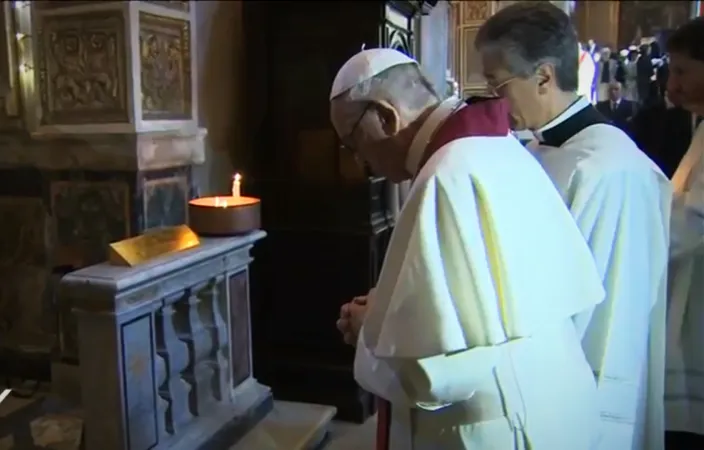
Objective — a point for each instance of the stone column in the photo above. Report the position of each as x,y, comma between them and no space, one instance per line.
102,147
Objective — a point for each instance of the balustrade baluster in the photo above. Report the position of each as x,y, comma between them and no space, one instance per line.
197,337
174,389
220,335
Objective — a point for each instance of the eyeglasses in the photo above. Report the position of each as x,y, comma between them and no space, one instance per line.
348,137
494,89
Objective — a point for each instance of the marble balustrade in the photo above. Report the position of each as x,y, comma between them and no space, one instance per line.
164,349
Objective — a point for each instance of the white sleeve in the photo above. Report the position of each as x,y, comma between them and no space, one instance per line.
429,383
687,222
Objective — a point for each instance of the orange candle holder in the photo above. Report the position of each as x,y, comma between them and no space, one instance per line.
224,216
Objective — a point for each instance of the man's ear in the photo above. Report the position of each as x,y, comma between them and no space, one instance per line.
545,74
388,117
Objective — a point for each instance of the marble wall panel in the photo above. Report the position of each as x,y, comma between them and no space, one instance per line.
165,201
54,221
87,217
165,57
25,318
24,232
434,43
82,62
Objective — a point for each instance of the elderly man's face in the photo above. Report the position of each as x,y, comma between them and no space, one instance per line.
522,94
366,131
685,85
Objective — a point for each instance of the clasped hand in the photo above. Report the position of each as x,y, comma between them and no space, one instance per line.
352,316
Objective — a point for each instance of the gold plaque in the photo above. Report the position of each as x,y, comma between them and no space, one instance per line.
152,244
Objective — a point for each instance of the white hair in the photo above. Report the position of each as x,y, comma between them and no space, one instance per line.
404,86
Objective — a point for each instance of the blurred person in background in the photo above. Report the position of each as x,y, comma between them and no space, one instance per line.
663,131
644,74
630,91
617,109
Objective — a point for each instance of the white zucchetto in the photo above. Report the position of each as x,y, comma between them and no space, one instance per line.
366,65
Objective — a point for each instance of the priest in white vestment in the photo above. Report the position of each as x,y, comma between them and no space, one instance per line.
619,199
587,72
469,332
684,394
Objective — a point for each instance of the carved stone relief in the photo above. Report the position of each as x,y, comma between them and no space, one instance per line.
165,55
82,68
467,17
87,217
23,230
476,12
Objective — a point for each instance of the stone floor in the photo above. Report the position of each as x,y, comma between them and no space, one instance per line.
348,436
44,422
38,422
290,426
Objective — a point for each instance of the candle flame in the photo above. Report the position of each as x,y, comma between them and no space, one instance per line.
220,203
237,178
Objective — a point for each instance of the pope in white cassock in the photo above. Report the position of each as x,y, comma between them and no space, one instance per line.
469,333
684,399
620,201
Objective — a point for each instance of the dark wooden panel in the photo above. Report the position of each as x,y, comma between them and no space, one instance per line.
327,220
639,19
296,298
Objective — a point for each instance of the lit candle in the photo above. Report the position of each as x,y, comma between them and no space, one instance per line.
220,203
236,182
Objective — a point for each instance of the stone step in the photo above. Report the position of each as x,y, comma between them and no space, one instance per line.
346,436
290,426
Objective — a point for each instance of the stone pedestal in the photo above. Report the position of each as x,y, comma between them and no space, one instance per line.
165,350
100,136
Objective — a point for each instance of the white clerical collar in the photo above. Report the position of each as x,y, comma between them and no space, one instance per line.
427,131
576,107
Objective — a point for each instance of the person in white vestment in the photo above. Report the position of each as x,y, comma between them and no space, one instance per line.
619,199
684,394
587,72
631,72
468,333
